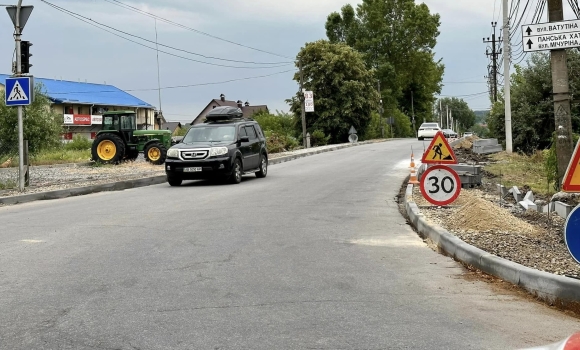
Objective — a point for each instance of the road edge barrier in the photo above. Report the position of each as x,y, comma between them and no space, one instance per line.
554,289
149,181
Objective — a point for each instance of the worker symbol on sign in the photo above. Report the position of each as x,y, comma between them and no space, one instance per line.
439,151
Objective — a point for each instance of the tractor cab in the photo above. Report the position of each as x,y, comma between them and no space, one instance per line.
123,122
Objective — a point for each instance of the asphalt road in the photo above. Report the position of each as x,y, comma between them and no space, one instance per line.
315,256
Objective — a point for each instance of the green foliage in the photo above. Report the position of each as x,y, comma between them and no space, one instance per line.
375,128
396,38
480,131
344,90
183,130
42,127
532,104
317,138
280,123
460,111
78,143
276,142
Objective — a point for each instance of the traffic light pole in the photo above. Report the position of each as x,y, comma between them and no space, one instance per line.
17,34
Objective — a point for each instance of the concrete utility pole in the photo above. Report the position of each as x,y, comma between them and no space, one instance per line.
494,55
413,110
303,107
17,35
506,74
381,111
564,141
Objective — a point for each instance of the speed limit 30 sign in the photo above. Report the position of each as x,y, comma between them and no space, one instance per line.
440,185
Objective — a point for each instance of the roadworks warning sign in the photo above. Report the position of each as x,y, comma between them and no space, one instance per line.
439,151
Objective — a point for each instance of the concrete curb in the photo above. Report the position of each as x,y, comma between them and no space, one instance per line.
546,286
147,181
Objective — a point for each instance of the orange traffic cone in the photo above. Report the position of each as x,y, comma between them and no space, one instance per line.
413,178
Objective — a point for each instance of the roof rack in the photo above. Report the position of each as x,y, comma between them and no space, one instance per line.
224,113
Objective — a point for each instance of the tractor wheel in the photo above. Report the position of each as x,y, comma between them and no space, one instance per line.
132,155
155,153
108,149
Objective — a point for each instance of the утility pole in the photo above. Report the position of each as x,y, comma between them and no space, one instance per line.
506,69
17,34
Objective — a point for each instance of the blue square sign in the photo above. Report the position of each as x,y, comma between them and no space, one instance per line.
19,91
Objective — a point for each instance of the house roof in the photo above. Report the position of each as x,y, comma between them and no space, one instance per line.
62,91
170,126
247,110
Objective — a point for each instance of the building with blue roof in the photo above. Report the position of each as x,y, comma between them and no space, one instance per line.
82,104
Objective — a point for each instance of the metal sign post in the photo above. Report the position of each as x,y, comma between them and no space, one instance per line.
19,16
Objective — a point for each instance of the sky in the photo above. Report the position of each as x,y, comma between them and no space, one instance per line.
69,49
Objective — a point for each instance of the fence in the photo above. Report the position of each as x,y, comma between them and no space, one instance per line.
8,166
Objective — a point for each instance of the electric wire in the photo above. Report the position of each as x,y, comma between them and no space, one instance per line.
103,27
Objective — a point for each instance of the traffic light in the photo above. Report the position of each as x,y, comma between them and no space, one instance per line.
25,56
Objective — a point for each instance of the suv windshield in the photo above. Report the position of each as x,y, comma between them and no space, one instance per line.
210,134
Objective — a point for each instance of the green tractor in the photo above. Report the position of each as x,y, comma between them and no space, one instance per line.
120,140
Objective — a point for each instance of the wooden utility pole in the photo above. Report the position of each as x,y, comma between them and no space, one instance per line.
564,141
303,107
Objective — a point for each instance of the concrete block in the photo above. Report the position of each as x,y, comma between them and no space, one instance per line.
472,169
529,196
562,209
502,190
528,205
487,149
485,142
515,191
548,208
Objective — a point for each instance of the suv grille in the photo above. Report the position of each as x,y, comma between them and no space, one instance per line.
194,154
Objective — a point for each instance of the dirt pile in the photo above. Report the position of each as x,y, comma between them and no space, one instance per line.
480,215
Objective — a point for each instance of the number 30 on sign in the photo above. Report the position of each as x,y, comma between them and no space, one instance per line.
440,185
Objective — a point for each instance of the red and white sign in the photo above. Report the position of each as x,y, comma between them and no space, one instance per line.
440,185
308,101
82,119
96,119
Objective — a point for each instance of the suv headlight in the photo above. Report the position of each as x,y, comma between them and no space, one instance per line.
173,153
218,151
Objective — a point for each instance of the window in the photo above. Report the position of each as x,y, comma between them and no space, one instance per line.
128,122
242,132
251,132
80,110
210,134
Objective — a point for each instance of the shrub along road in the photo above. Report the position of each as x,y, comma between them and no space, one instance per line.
315,256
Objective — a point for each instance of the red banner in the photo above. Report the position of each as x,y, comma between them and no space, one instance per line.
81,119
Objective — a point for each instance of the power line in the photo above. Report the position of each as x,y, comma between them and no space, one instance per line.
476,94
174,87
100,26
134,9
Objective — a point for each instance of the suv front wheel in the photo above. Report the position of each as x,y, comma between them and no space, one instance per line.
236,176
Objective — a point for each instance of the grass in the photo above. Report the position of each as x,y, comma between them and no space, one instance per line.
520,170
61,156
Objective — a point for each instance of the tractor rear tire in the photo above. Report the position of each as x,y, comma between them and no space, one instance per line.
132,155
108,149
155,153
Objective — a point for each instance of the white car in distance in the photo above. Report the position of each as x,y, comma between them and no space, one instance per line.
428,130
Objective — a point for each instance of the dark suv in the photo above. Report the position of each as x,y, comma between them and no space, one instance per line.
226,146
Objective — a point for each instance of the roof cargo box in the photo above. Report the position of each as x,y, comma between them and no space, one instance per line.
224,113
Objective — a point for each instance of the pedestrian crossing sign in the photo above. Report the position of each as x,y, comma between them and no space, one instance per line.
19,91
439,151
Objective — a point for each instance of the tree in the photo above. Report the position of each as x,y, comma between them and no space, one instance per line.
42,127
533,121
459,110
343,87
396,38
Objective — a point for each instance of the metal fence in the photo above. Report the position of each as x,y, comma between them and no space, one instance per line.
8,166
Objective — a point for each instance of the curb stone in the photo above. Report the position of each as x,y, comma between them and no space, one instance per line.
147,181
547,286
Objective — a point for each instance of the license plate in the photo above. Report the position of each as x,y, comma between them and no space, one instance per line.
192,170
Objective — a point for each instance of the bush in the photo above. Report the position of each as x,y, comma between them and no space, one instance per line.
551,162
276,143
317,138
281,123
78,143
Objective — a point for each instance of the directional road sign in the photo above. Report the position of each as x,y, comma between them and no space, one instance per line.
440,185
551,36
572,233
19,91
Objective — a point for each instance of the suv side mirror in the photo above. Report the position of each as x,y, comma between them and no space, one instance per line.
244,139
